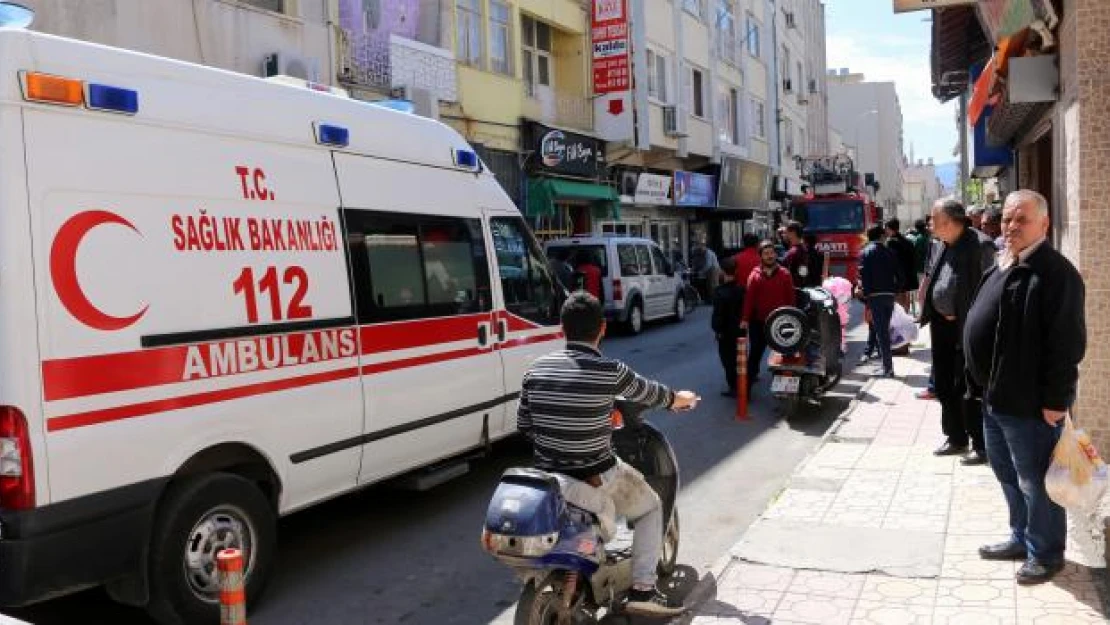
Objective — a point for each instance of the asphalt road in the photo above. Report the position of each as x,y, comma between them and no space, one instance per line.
385,555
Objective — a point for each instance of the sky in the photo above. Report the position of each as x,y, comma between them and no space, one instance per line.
867,37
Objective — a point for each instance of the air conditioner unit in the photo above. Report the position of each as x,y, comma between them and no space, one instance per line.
286,64
787,85
791,22
670,122
813,85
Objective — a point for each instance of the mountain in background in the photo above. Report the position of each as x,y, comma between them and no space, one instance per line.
949,174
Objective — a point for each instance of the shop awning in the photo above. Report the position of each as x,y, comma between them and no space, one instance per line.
958,42
543,193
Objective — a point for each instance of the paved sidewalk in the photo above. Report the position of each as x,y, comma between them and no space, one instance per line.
873,528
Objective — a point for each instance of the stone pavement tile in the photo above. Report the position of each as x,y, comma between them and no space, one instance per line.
838,455
827,584
817,472
878,613
747,602
915,522
963,566
895,437
1062,615
922,460
885,589
854,518
994,594
813,609
1074,588
973,616
794,503
882,458
756,576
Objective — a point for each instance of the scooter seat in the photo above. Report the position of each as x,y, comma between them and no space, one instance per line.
533,475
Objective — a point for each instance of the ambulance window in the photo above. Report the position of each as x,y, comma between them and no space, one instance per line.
408,267
526,284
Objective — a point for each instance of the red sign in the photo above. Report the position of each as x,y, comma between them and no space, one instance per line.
612,70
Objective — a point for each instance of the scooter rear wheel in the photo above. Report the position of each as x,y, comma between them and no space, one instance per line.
541,603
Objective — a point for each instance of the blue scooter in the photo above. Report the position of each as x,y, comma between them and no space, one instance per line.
570,575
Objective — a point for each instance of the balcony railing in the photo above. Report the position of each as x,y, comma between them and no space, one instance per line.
559,108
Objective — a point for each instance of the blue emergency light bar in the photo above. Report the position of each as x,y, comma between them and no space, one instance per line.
328,134
114,99
466,159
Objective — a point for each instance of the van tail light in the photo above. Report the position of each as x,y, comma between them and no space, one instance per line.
618,291
17,471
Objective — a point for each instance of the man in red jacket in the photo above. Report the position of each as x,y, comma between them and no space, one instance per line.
769,287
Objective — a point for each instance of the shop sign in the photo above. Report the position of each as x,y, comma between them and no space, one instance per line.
653,189
905,6
609,28
561,152
692,189
744,185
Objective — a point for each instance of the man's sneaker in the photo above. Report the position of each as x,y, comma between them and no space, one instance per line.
652,603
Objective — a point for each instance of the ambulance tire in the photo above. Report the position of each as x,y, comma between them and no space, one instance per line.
172,600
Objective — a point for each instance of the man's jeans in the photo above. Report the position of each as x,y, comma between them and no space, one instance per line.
627,492
882,309
1020,450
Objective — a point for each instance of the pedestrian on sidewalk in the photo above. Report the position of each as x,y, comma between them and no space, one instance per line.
992,226
818,262
747,259
728,305
769,287
797,257
880,281
934,248
956,273
907,260
1024,338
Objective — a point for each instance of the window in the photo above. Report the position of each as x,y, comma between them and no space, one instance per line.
468,44
802,149
726,115
788,137
799,87
643,260
499,37
662,265
408,267
525,280
836,216
277,6
697,93
536,44
726,25
657,76
626,256
752,36
759,119
785,70
692,7
734,112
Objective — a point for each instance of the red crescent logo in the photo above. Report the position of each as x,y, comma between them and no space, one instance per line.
63,271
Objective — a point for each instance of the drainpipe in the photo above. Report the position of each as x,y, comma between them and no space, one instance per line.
641,120
711,110
773,78
681,115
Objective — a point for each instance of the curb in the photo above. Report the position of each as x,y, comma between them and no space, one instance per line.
703,590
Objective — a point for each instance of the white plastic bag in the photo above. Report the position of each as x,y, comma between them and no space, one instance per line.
903,329
1077,477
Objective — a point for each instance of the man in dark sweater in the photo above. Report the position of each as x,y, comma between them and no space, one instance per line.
728,305
1024,339
879,281
566,400
954,280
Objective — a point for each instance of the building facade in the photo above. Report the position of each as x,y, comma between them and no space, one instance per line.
921,188
869,117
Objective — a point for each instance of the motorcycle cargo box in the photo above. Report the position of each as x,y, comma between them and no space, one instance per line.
525,514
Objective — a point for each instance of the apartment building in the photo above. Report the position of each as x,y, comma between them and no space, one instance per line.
921,188
256,37
869,118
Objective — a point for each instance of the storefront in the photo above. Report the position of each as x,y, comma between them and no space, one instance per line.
743,196
564,194
647,211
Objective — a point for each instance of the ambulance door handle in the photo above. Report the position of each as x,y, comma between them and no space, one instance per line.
483,334
502,330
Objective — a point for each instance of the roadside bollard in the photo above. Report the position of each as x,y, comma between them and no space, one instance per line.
233,599
742,378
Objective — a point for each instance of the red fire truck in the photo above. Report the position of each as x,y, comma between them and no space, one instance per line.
836,210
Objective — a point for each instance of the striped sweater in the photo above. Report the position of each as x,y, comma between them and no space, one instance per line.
566,400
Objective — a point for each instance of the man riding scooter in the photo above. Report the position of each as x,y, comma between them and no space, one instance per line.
565,405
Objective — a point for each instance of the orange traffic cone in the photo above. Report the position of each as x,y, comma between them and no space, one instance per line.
233,599
742,378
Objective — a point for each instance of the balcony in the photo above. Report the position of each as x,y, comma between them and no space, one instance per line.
382,62
558,108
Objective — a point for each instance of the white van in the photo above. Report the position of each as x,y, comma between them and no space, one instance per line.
638,282
225,299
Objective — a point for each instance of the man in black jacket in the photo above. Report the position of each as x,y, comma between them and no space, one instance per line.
954,280
728,306
907,258
880,279
1024,339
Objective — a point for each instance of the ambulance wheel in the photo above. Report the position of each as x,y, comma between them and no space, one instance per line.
198,519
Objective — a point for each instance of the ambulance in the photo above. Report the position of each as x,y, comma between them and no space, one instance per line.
224,299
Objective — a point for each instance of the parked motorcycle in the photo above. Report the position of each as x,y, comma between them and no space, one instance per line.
806,361
570,575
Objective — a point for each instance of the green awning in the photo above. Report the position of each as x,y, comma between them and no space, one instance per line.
544,192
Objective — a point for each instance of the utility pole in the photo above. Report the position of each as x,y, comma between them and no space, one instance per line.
962,125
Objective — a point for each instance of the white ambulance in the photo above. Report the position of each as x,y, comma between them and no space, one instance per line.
223,299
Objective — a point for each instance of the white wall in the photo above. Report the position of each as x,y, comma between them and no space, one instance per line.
221,33
877,137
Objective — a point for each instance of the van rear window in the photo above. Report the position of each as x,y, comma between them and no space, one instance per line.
577,254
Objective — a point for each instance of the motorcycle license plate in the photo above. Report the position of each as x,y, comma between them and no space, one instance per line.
784,384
